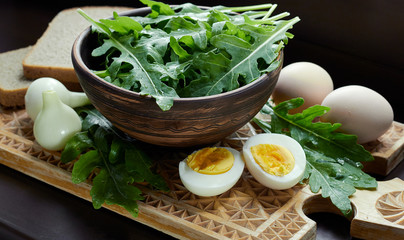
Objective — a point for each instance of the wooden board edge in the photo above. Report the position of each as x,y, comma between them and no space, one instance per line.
160,220
374,209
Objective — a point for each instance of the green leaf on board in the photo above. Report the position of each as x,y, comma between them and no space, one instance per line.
333,158
116,161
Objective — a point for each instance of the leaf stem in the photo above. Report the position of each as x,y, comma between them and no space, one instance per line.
104,73
101,73
278,16
270,11
255,15
248,8
266,127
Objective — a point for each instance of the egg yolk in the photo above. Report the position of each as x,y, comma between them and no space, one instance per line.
273,159
211,161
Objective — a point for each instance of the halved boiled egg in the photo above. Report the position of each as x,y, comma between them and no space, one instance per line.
276,161
211,171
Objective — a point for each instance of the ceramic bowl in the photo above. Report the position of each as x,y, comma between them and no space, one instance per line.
190,122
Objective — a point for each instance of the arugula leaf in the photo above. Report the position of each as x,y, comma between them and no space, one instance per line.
116,161
243,61
210,64
95,118
77,144
333,158
323,136
185,10
158,8
181,52
183,27
117,150
85,165
160,54
122,24
139,163
113,186
150,84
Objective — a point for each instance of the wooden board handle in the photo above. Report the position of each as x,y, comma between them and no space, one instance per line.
379,214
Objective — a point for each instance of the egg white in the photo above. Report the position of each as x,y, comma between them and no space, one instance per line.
269,180
211,185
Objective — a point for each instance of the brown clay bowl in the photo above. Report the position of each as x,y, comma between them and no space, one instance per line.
190,122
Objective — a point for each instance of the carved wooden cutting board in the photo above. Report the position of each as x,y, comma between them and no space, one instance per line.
247,211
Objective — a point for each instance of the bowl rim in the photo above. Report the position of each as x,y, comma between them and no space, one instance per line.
76,57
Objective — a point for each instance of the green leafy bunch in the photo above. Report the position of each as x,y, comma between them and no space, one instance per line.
188,51
116,161
333,158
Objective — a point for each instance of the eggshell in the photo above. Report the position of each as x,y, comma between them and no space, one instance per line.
303,79
360,110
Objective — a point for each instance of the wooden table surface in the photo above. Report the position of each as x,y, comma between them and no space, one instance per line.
30,209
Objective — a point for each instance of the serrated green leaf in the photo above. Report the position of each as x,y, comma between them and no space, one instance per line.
183,10
209,64
179,34
123,24
154,41
104,150
323,136
75,146
179,27
217,16
117,150
181,52
158,8
112,186
333,158
85,165
149,81
244,58
102,140
92,117
138,162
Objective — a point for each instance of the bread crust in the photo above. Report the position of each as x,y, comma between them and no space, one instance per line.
13,98
13,85
65,75
62,70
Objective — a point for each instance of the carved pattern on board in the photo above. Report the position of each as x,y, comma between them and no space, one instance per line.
247,211
20,124
17,122
285,227
235,214
391,207
386,142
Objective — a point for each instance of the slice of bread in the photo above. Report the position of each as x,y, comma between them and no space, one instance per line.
13,84
51,55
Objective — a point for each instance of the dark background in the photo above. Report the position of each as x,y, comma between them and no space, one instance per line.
356,41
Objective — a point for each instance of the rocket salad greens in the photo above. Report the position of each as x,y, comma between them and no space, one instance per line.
188,51
118,161
333,158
